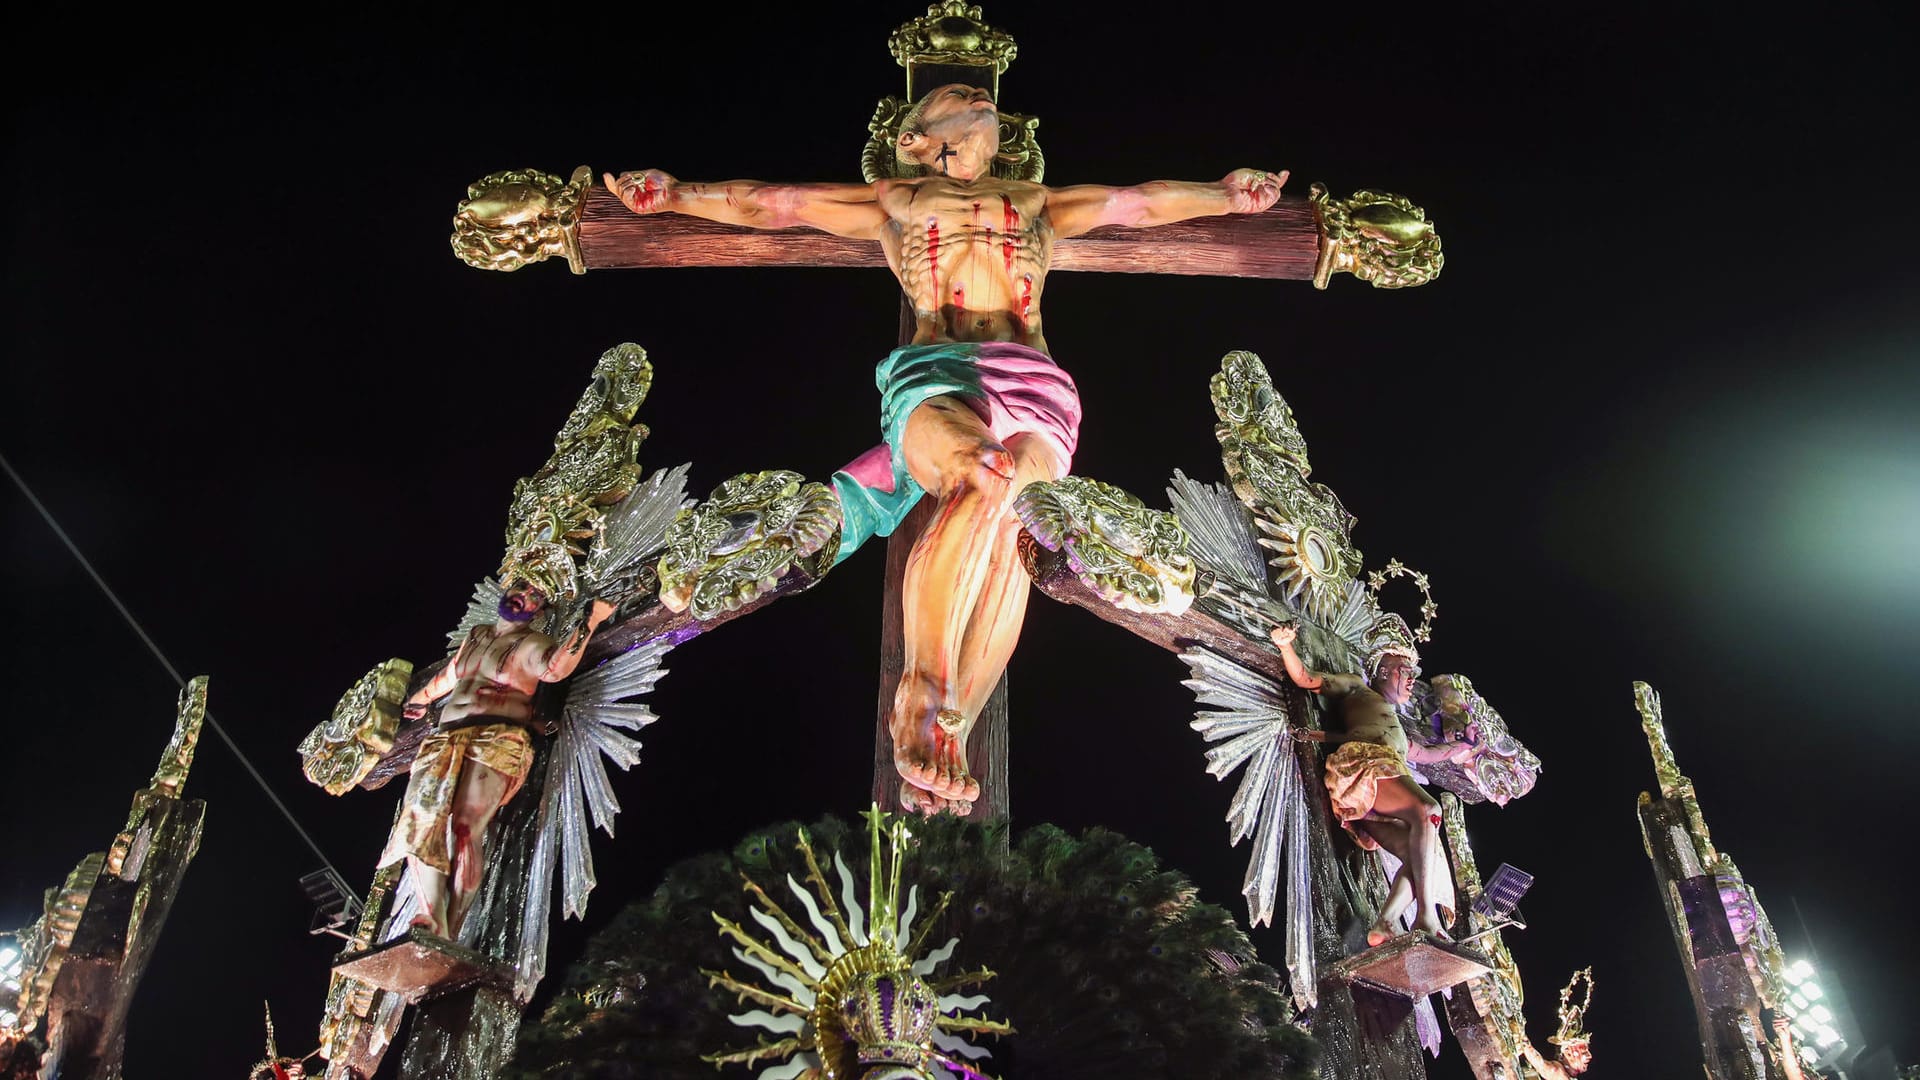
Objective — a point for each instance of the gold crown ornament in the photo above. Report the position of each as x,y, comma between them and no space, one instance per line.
1573,1017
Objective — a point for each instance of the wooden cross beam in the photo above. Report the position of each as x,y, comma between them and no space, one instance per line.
512,219
1283,243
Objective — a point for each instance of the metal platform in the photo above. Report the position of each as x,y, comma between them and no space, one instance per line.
417,965
1411,966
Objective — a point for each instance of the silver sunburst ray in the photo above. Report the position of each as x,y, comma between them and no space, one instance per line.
1220,532
1250,727
637,527
593,731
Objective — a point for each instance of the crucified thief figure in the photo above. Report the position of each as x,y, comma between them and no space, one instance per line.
974,409
479,752
1371,789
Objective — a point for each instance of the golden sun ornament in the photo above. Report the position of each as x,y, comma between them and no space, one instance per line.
853,997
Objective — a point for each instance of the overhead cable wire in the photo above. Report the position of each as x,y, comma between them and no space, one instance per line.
172,671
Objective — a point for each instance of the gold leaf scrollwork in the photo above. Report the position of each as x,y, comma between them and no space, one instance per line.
518,217
1131,556
735,547
1303,524
952,33
1505,769
595,463
170,776
340,752
1377,237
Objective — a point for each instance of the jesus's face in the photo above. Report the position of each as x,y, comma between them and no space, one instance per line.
957,132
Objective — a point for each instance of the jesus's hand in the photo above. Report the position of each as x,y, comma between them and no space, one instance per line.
1250,191
647,192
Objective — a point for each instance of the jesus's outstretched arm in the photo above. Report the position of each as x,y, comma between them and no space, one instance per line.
850,210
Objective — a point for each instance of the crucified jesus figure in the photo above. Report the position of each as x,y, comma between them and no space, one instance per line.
974,409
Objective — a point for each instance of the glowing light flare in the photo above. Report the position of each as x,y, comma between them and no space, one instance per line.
1826,1037
1799,1003
1800,972
1822,1014
1812,990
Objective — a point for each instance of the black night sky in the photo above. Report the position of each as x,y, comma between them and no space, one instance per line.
1655,421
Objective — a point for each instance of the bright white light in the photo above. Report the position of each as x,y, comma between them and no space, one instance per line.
7,953
1826,1037
1799,1003
1812,990
1822,1014
8,1018
1807,1054
1800,972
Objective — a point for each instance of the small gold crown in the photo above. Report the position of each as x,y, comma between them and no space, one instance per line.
889,1017
951,33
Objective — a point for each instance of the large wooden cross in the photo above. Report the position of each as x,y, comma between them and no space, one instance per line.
512,219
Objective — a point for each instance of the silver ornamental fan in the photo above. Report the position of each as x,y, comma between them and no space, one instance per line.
634,531
593,730
1251,728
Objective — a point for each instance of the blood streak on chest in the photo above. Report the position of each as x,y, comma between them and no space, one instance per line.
933,254
1012,224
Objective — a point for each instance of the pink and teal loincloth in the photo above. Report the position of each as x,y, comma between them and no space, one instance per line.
1015,389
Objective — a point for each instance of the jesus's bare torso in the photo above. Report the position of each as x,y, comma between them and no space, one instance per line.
972,256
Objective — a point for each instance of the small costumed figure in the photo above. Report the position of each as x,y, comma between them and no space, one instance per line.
1575,1051
1373,792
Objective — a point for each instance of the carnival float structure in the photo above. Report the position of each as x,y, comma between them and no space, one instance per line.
934,941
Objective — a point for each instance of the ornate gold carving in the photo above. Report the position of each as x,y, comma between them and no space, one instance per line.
43,945
170,776
521,216
1500,996
1019,157
350,1002
1303,524
1133,557
951,32
339,753
1505,770
1673,783
846,998
594,465
736,546
1377,237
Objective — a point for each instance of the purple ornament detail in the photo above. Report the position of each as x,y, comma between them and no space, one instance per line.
885,988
